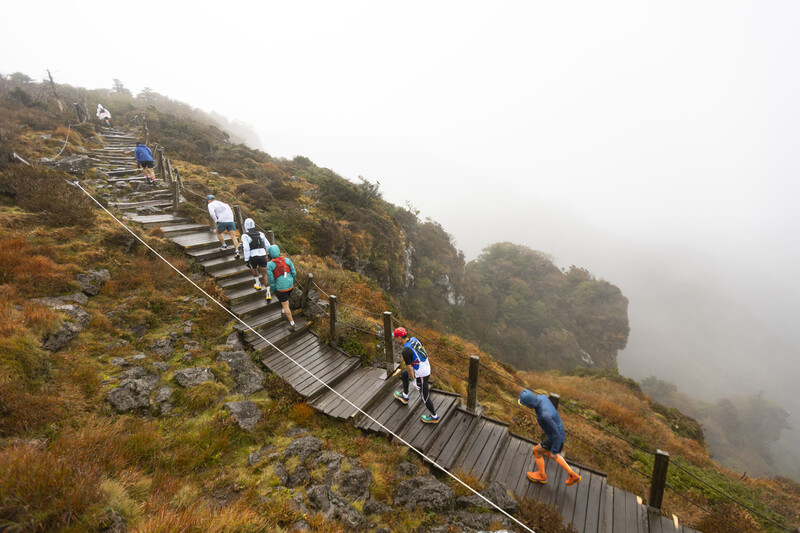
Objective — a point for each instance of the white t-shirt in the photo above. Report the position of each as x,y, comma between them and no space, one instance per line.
220,211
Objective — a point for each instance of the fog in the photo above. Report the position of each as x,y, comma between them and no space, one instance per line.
654,145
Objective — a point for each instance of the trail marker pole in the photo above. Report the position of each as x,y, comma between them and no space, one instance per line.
388,345
306,288
334,336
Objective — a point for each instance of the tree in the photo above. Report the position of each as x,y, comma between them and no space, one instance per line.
119,88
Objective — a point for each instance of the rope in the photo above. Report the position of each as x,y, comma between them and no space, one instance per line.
731,498
361,310
707,511
235,317
319,289
420,335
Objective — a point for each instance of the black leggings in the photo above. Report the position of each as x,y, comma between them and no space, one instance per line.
424,393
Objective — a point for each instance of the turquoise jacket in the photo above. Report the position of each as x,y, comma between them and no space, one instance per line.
285,281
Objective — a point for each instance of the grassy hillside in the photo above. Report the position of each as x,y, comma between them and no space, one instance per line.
68,462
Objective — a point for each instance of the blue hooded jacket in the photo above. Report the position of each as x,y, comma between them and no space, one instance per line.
143,154
547,416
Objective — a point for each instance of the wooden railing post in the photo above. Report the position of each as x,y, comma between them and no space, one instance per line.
472,384
388,342
554,399
659,480
162,172
306,288
271,236
239,217
332,310
176,196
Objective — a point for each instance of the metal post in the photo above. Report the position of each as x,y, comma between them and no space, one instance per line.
554,399
472,384
334,336
388,343
659,480
306,287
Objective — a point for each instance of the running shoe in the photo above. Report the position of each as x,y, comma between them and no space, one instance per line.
537,477
572,479
399,396
429,419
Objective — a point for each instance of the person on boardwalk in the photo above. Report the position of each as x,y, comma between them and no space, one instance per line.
254,247
549,420
280,276
222,214
103,115
144,159
418,372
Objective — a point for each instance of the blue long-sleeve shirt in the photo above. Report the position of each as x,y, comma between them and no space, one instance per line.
143,153
547,416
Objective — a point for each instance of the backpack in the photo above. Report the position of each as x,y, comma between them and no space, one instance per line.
280,267
255,239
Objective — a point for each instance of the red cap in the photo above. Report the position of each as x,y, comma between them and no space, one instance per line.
400,332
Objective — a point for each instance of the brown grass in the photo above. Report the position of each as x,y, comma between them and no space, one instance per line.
31,274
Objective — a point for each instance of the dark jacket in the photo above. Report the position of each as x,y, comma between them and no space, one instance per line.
547,416
142,153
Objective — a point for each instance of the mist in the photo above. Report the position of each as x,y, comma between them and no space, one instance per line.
654,145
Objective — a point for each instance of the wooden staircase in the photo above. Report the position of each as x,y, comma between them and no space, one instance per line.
462,442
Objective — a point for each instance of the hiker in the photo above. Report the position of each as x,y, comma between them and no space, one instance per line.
280,276
549,420
144,159
103,115
417,373
222,214
254,247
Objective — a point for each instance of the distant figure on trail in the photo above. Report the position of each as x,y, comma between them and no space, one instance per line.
280,276
417,372
144,159
549,420
103,115
222,214
254,247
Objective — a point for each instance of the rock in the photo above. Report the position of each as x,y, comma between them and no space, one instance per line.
354,483
304,447
139,357
114,523
69,329
254,458
279,469
424,492
192,346
148,210
375,507
479,521
299,504
134,372
496,493
201,302
75,164
323,500
187,358
247,414
299,477
132,394
247,377
139,330
77,297
296,432
164,394
191,377
233,343
407,469
333,462
162,347
161,366
301,525
119,361
91,282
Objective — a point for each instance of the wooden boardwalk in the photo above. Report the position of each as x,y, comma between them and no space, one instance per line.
337,385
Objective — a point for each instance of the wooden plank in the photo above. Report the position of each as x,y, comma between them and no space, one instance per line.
292,348
495,445
333,369
318,365
447,443
329,363
654,522
329,401
382,410
421,433
632,518
280,362
370,384
582,499
566,500
311,389
509,460
554,478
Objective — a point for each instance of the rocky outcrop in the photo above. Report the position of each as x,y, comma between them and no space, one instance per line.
424,492
77,320
247,377
192,377
132,394
495,493
304,447
75,164
91,282
247,414
322,499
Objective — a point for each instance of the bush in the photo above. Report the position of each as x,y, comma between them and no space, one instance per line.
44,191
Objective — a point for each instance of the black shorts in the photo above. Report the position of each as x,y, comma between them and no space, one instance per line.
283,296
257,261
147,164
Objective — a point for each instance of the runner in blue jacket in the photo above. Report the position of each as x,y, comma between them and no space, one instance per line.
549,420
144,159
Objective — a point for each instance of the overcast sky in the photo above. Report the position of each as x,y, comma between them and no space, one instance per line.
619,136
